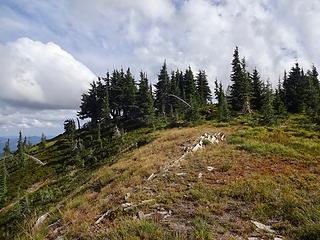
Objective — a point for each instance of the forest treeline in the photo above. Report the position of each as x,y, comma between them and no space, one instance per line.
181,95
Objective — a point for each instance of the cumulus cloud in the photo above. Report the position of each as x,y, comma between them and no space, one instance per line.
38,75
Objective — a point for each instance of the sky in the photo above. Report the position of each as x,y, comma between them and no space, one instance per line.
51,50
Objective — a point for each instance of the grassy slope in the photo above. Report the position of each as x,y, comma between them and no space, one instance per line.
269,175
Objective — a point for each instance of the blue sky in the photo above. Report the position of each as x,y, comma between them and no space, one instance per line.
51,50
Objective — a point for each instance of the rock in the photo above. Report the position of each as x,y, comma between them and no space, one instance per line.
125,205
165,213
102,217
263,227
196,147
41,219
200,175
141,215
253,238
151,177
210,169
126,197
60,238
181,174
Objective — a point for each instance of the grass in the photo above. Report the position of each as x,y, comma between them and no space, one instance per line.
266,174
137,229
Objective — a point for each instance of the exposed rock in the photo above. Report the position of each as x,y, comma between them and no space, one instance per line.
263,227
41,219
210,169
181,174
200,175
151,177
126,197
141,215
126,205
102,217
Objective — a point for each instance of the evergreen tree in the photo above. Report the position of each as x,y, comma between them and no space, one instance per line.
25,142
203,89
174,90
145,100
278,103
3,179
247,88
240,93
129,94
43,140
313,94
236,97
294,88
106,109
20,150
116,93
91,104
223,108
181,84
70,129
162,103
267,108
190,87
257,87
6,149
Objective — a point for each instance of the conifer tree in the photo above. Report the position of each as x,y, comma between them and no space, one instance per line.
223,108
267,108
203,89
240,88
162,103
190,87
294,88
278,103
174,90
20,150
129,95
116,93
3,179
145,100
257,87
70,129
43,140
312,98
181,84
106,109
91,105
6,149
247,88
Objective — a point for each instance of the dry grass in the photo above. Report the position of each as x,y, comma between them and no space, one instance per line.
205,204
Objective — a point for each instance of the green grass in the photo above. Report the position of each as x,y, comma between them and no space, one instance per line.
277,141
278,199
264,173
201,230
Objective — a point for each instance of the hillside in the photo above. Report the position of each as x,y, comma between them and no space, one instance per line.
138,189
13,140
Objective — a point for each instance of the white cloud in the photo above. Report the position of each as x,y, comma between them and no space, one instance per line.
38,75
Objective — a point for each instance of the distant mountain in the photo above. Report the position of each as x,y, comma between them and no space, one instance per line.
14,141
